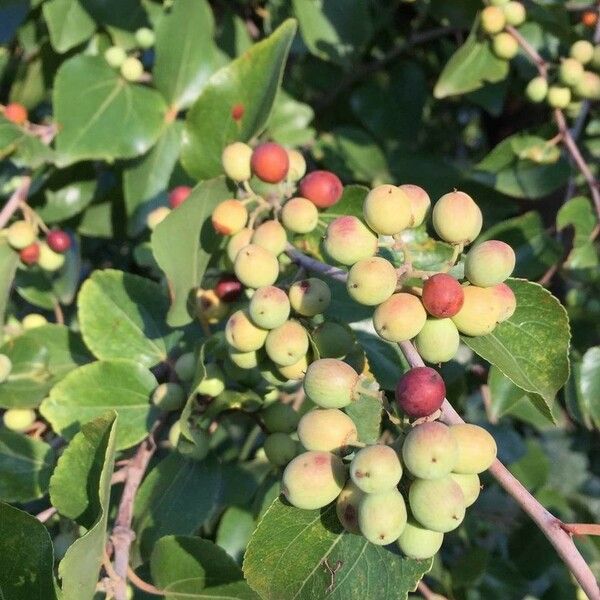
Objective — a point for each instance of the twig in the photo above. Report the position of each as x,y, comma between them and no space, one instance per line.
143,585
46,514
18,198
427,593
58,314
581,528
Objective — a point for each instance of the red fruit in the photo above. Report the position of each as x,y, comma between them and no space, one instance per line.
442,296
16,113
237,112
420,392
589,18
228,288
270,162
322,188
58,240
30,254
178,195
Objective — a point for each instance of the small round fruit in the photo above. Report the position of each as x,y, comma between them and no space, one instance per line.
270,162
437,504
505,46
589,18
5,367
420,392
371,281
469,484
185,366
456,218
442,296
559,97
33,320
144,37
376,469
21,234
19,419
299,215
287,344
387,210
243,334
505,300
228,288
489,263
115,56
589,86
295,371
236,161
399,318
438,341
322,188
213,383
333,340
492,19
330,383
280,449
50,260
382,516
537,89
309,297
313,480
198,448
256,267
178,195
15,113
156,216
271,236
229,217
347,240
429,450
346,507
244,360
327,429
515,13
237,111
132,69
269,307
297,165
582,51
209,307
476,448
570,71
280,418
419,202
168,397
58,240
479,313
238,241
30,254
419,543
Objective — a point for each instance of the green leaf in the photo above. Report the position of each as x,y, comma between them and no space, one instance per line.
9,260
100,115
583,391
123,316
235,528
25,467
251,80
91,390
285,533
579,213
67,202
97,221
35,286
183,243
68,24
289,123
27,557
184,52
530,348
25,148
366,414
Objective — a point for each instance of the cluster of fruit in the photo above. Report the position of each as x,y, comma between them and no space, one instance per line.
495,18
177,196
130,67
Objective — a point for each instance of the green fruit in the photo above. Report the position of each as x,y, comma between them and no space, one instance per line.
229,217
295,371
505,300
505,46
19,419
489,263
327,429
271,236
244,360
346,507
299,215
419,202
236,161
144,37
287,344
456,218
132,69
582,51
537,89
269,307
168,397
280,448
570,71
469,484
280,418
256,267
376,469
429,451
330,383
438,341
382,516
238,241
185,366
156,216
33,320
492,19
243,334
115,56
297,167
174,434
213,382
309,297
399,318
514,13
589,86
196,449
419,543
437,504
479,312
476,448
5,367
333,340
371,281
347,240
21,234
50,260
313,480
387,210
559,97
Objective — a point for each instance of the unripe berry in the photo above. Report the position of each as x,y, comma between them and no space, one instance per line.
313,480
430,451
347,240
505,46
582,51
322,188
382,516
419,202
228,288
489,263
256,267
198,449
236,161
244,360
479,313
515,13
420,392
376,469
15,113
213,383
309,297
419,543
33,320
333,340
299,215
399,318
438,341
469,484
50,260
156,216
330,383
209,306
346,507
270,162
178,195
279,417
168,397
58,240
295,371
238,241
115,56
371,281
132,69
505,300
570,71
19,419
589,86
442,296
297,165
456,218
269,307
271,236
387,210
229,217
437,504
21,234
492,19
558,97
280,448
185,366
476,448
144,37
5,367
537,89
30,254
287,344
243,334
327,429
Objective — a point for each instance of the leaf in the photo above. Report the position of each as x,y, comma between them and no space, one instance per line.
530,348
91,390
579,214
68,24
123,316
272,568
80,567
366,414
235,528
251,80
25,467
583,392
68,201
27,557
9,260
184,52
289,124
100,116
24,148
35,286
183,243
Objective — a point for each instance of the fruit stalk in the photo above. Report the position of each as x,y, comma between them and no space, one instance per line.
18,197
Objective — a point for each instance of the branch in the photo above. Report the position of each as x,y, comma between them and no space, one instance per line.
18,198
581,528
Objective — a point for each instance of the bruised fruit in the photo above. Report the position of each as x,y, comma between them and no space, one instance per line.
489,263
229,217
178,195
419,202
492,19
376,468
271,236
371,281
327,429
476,448
322,188
168,397
228,288
418,542
243,334
429,450
269,307
19,419
280,418
399,318
309,297
299,215
21,234
280,448
347,240
213,382
287,344
442,296
456,218
346,507
420,392
256,267
330,383
238,241
387,210
236,161
437,504
505,301
209,307
438,340
479,313
297,165
270,162
333,340
156,216
382,516
469,484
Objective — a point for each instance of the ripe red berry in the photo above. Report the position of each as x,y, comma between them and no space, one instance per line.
589,18
16,113
420,392
270,162
178,195
58,240
442,296
237,112
30,254
228,288
322,188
